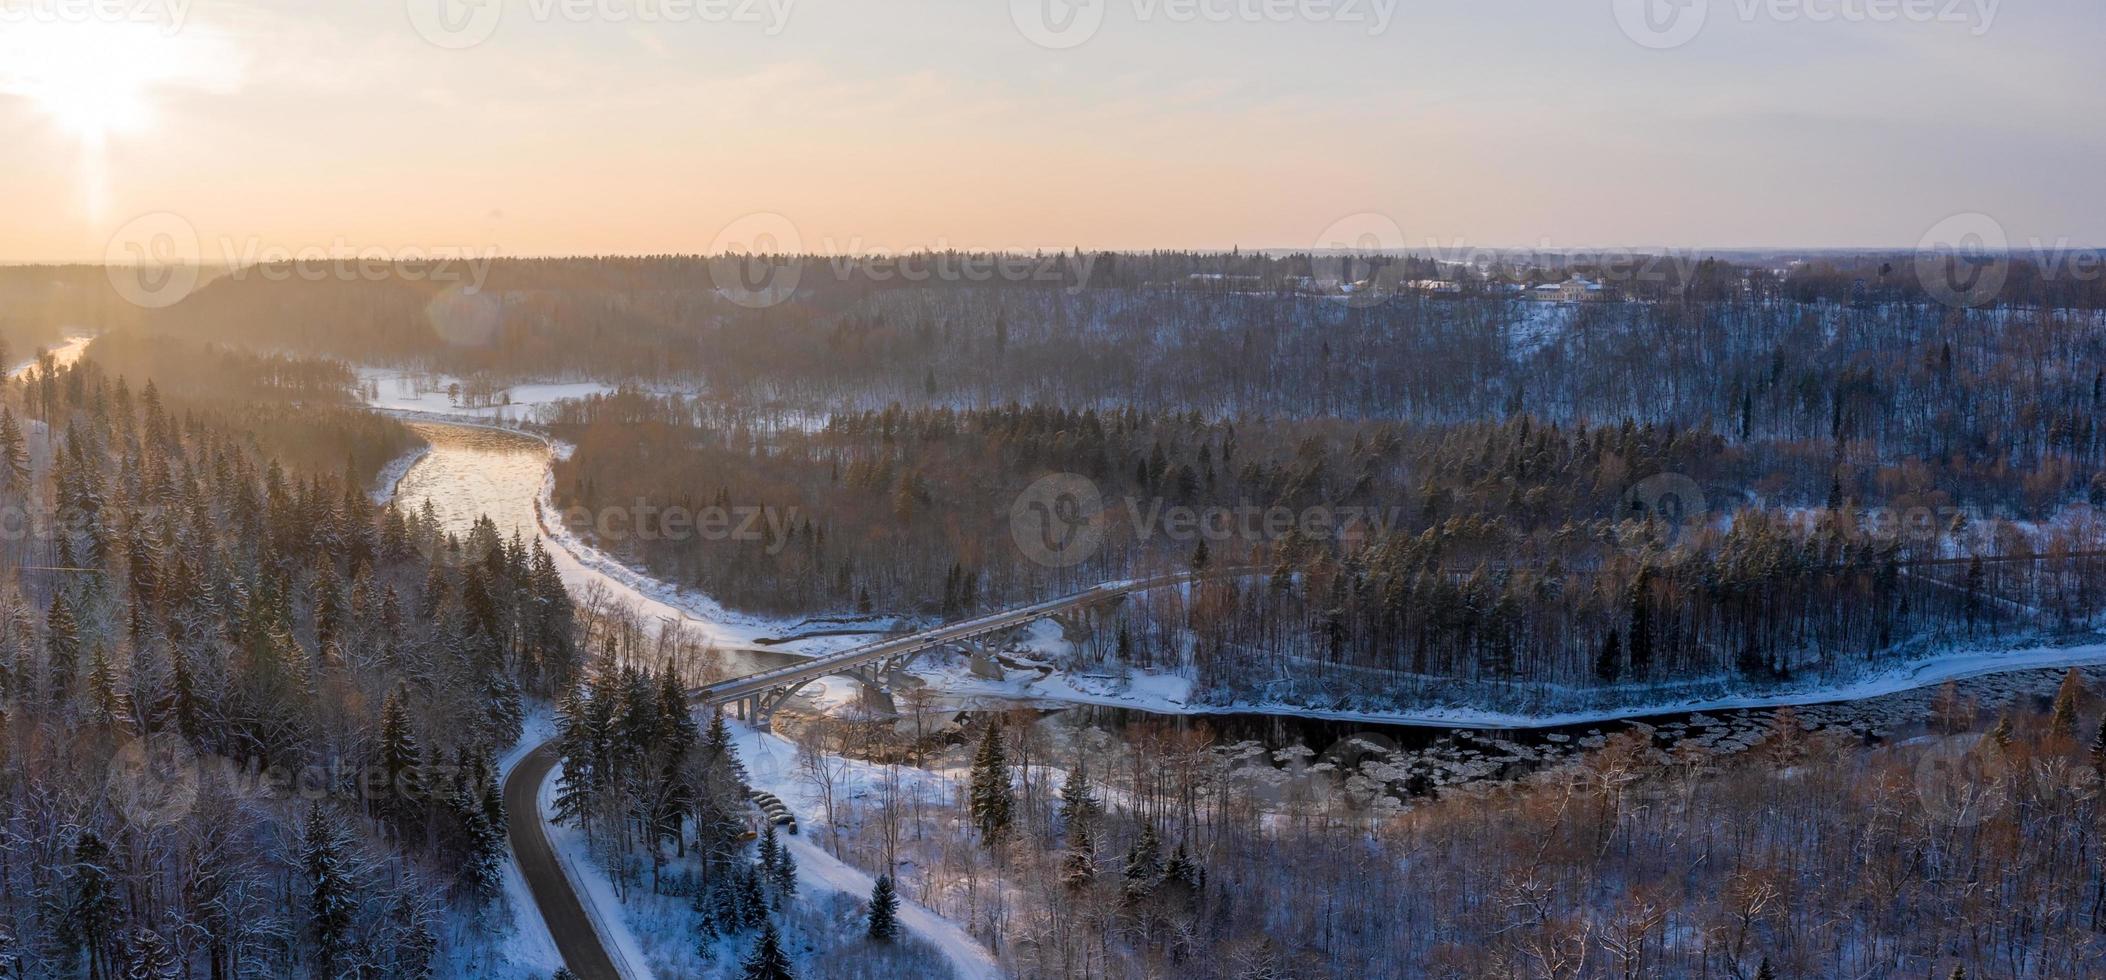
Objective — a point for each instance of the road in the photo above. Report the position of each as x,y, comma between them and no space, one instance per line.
568,923
749,685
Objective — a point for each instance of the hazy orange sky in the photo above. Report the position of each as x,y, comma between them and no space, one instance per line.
542,126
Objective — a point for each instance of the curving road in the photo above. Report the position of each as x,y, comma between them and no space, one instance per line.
568,923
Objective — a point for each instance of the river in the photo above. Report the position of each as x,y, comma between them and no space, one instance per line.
473,470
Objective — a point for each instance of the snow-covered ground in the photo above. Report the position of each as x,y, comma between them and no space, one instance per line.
426,394
595,891
771,765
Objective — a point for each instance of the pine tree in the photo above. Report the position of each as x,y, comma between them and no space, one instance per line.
1078,867
148,957
784,874
1144,865
1609,664
768,961
400,755
331,904
96,907
2098,750
2063,724
62,645
992,803
1078,799
14,454
884,911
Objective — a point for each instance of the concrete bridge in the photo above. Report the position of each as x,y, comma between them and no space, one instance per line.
756,697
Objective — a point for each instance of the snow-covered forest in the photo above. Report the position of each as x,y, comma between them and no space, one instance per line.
250,718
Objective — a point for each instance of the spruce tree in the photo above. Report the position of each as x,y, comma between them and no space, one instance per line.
1078,867
331,904
148,957
768,961
62,645
2098,750
2063,724
1078,799
1144,865
784,875
884,911
399,758
14,454
992,803
96,907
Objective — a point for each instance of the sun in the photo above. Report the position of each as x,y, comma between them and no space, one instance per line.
97,79
92,79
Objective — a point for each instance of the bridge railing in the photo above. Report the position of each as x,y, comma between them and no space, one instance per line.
736,687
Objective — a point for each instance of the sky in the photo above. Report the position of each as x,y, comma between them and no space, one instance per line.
535,127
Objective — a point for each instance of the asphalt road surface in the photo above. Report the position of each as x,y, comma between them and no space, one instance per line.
567,922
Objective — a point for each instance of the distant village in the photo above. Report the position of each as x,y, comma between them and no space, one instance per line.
1573,289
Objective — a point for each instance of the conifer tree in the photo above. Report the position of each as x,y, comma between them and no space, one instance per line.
330,904
2063,723
14,454
992,802
1078,867
884,911
2098,750
399,758
768,961
96,907
62,645
1144,865
1078,799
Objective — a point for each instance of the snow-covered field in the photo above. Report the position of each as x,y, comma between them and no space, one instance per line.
427,394
771,765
